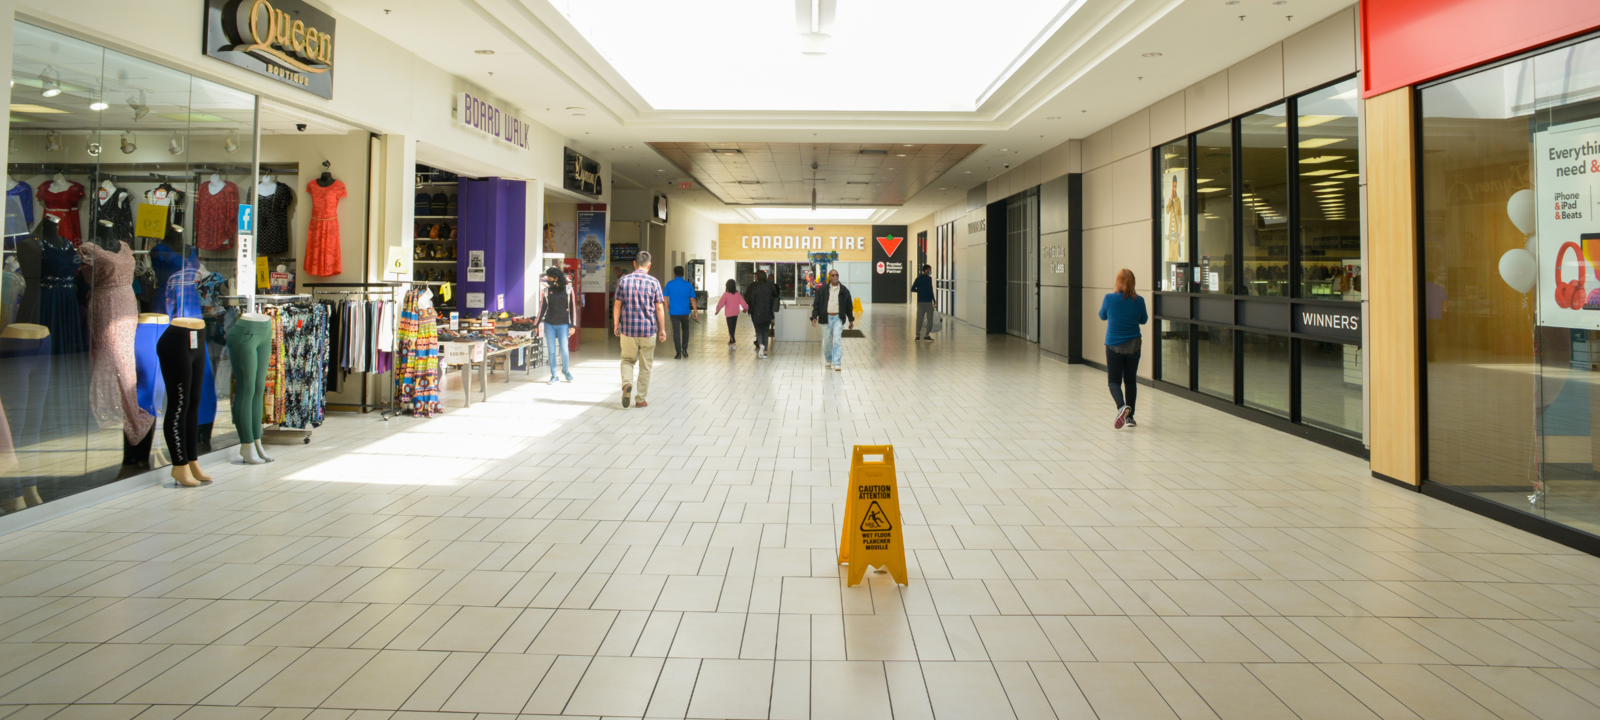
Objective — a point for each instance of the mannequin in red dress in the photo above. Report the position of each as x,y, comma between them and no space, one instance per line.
322,237
60,198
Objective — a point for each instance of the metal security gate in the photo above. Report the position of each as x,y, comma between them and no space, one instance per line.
1022,265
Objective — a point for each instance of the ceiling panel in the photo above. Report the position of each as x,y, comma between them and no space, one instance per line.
878,174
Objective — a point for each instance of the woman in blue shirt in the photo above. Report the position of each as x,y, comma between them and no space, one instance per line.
1123,312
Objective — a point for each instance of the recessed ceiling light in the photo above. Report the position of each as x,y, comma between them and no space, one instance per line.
1231,2
1152,54
484,52
1004,150
98,104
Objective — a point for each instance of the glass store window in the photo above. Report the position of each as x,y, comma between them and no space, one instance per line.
1264,198
1509,255
1213,214
1273,195
117,178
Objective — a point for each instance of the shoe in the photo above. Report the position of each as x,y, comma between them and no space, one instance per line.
677,356
552,380
1122,417
763,354
1130,423
825,363
569,378
730,346
838,368
641,403
686,353
627,394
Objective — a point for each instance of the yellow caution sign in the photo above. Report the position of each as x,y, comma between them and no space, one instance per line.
855,306
871,534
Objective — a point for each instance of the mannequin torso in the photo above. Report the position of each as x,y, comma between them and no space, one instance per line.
268,186
217,183
255,317
154,319
60,183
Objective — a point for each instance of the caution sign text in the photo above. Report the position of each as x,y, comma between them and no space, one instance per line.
871,532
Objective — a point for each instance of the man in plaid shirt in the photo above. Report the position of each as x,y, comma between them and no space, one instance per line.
641,322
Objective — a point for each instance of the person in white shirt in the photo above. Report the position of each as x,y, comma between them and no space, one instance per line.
834,306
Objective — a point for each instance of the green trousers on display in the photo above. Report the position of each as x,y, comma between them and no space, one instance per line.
250,347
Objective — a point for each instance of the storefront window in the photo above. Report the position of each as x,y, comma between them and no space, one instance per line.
1213,216
1175,353
1330,386
1330,199
1173,194
1264,197
1216,361
1510,246
123,183
1266,372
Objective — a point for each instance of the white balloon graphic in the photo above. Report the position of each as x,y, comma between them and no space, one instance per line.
1519,269
1533,245
1520,210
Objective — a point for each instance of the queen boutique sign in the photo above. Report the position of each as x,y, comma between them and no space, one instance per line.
287,40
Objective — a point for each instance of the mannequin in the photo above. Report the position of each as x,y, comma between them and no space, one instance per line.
250,345
267,186
326,178
113,314
11,182
59,183
58,307
216,183
151,391
323,257
182,352
24,383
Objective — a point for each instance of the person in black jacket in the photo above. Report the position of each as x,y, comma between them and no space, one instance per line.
763,302
834,306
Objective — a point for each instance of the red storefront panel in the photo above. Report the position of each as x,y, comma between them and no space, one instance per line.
1405,42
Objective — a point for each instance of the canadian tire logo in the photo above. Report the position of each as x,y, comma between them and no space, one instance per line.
890,244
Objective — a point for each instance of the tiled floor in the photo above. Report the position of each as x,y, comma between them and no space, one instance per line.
547,553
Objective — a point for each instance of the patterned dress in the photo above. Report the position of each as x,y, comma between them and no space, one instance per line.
113,371
305,365
216,216
416,370
272,401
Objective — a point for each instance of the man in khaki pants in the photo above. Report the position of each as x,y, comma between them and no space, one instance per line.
641,322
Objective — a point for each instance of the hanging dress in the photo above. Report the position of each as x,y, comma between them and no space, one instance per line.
63,206
216,216
113,364
322,237
58,301
182,293
115,209
272,220
19,210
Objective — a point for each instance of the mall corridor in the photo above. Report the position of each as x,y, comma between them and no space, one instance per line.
547,553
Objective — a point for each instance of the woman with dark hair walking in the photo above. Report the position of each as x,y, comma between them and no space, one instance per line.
733,303
1124,312
559,315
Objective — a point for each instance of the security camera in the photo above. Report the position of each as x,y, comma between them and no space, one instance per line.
302,128
1007,166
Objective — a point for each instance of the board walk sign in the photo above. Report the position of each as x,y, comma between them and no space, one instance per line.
871,535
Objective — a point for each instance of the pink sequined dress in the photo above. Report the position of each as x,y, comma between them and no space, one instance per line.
114,314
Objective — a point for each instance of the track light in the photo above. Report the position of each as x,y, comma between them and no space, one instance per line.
140,109
94,148
175,145
50,83
52,141
231,143
130,143
98,104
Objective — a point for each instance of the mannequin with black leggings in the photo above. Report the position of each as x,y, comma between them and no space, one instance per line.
182,349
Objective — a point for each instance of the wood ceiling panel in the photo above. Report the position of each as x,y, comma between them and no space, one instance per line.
786,177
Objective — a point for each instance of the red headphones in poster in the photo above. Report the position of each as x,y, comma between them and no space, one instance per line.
1570,295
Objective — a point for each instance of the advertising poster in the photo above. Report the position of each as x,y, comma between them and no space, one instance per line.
558,238
1175,214
476,270
1566,179
889,250
591,237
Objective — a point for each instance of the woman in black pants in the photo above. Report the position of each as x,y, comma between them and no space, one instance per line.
1124,312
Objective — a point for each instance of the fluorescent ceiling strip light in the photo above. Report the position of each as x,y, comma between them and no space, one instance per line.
1320,173
1027,52
1319,159
1320,142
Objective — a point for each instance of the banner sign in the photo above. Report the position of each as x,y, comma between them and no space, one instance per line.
1566,179
486,117
793,243
290,41
1175,215
889,284
591,231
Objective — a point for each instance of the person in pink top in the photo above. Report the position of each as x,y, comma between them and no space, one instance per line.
733,303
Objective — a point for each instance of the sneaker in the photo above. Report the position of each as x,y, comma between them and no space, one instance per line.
569,378
627,394
825,363
552,380
1131,423
838,368
730,346
1122,418
763,354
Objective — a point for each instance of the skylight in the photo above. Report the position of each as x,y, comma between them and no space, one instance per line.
800,213
746,54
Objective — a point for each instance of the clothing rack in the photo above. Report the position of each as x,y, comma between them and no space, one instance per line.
364,289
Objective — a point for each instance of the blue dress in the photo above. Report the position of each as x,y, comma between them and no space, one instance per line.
58,299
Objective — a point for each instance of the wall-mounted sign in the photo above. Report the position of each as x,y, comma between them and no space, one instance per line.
592,242
889,262
1334,323
476,270
581,174
793,243
486,117
660,209
287,40
1566,215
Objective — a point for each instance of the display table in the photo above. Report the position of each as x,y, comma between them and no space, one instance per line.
475,354
794,323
